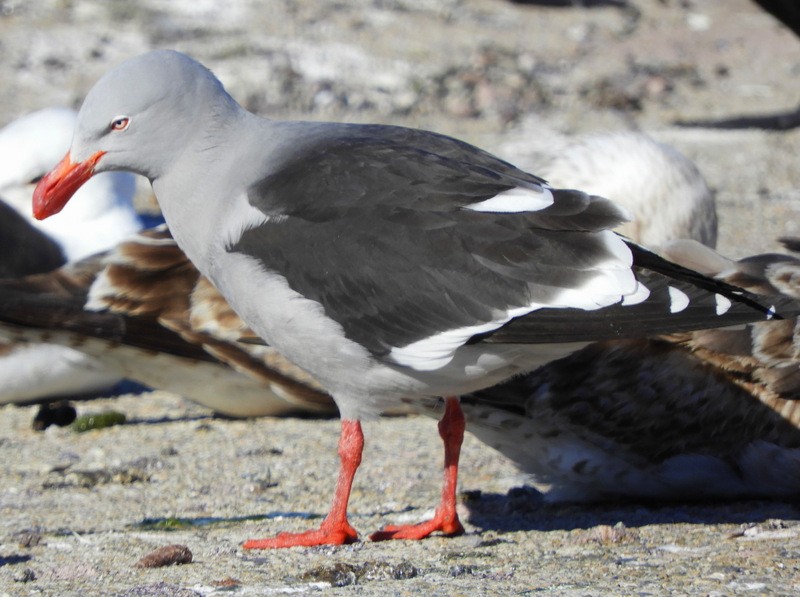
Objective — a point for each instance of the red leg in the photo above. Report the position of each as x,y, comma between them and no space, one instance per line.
451,429
335,529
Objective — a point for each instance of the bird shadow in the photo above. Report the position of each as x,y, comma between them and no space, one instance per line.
524,509
14,559
776,121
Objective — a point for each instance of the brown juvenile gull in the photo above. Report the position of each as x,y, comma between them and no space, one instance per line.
143,312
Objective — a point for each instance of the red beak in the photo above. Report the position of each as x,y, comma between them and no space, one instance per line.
58,186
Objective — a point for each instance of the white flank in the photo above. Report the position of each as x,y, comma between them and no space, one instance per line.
515,200
723,304
639,296
678,300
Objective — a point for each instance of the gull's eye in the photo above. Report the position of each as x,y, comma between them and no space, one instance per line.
120,124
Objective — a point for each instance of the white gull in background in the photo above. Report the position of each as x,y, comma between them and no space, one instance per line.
395,265
664,191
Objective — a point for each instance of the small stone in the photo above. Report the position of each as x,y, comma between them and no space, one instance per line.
27,575
460,570
227,582
404,570
28,538
169,555
698,21
606,535
159,589
338,575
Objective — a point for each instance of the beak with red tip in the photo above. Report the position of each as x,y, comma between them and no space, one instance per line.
58,186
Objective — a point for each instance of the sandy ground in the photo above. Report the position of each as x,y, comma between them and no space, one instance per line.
79,510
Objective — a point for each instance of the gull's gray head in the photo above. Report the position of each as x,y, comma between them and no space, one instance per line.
142,113
141,117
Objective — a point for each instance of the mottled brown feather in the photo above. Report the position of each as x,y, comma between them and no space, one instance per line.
145,293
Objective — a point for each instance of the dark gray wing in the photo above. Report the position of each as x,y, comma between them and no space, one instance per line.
372,225
353,167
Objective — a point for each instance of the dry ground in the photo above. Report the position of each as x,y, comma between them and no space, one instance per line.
75,507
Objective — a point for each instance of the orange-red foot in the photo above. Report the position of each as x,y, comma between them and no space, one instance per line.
449,525
335,529
325,535
451,429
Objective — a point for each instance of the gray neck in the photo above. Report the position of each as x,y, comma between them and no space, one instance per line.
197,192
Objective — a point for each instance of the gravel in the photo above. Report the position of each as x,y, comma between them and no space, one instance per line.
79,511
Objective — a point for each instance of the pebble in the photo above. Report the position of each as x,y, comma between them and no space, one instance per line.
168,555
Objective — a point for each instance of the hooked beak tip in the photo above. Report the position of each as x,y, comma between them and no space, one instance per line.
58,186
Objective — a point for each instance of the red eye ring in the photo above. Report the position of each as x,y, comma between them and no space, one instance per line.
120,124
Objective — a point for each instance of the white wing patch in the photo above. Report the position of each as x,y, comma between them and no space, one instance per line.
240,217
614,280
640,295
678,300
616,245
515,200
723,304
604,289
435,352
